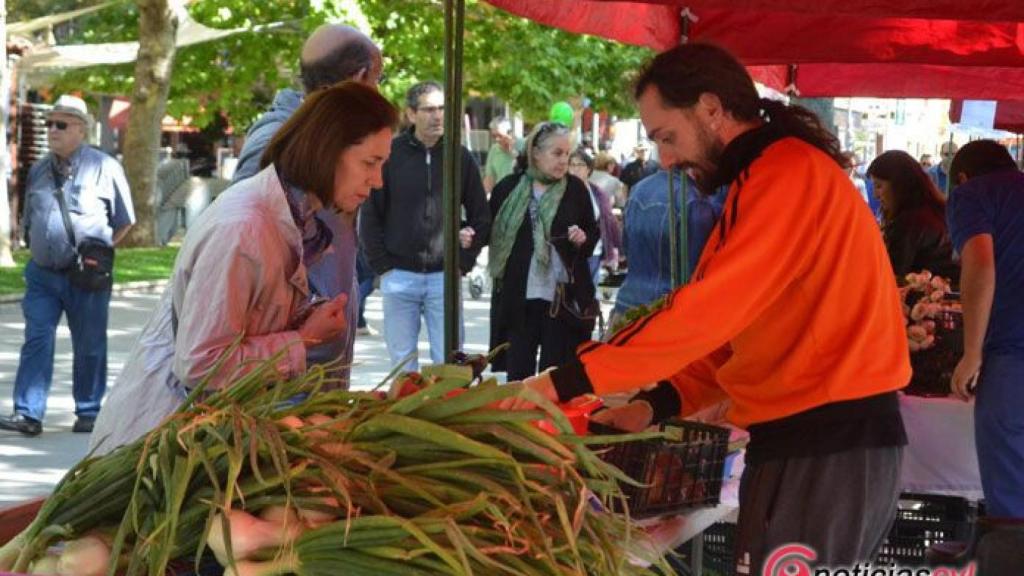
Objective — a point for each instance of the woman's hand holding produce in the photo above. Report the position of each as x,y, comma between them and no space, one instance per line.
326,322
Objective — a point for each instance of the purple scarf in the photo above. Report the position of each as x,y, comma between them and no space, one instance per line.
316,236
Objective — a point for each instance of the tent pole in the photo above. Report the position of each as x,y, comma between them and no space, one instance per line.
684,236
673,231
454,24
949,178
686,17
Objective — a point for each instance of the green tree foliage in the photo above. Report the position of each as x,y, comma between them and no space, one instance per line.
523,63
236,76
19,10
520,62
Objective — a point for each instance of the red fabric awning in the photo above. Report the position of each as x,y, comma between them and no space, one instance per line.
981,10
895,80
779,36
121,109
841,49
1009,114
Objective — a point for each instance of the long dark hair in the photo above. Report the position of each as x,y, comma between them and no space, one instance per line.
683,73
912,188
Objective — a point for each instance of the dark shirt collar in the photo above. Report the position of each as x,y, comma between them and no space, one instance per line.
741,153
416,142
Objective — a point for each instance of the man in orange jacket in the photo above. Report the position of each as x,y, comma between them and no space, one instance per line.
793,314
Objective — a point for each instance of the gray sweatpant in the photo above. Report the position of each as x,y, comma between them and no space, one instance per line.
840,505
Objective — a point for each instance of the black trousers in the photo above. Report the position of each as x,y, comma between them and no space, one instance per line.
841,505
557,341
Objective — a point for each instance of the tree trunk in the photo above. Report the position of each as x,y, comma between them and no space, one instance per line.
158,27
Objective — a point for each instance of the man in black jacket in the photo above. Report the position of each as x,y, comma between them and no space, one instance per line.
640,168
401,227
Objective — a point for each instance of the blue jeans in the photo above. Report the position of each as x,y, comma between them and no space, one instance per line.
406,296
365,276
47,295
999,434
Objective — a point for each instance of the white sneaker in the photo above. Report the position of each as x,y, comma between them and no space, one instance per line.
366,331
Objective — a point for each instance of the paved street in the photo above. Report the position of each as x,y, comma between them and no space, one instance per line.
32,466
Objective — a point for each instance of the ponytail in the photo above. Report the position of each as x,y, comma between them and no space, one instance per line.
804,124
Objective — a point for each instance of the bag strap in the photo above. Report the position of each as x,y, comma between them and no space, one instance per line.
59,193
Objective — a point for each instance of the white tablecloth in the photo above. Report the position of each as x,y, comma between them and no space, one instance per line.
940,457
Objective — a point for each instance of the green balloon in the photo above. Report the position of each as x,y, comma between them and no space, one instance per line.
561,112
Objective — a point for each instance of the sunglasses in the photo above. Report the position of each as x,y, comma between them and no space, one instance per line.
58,124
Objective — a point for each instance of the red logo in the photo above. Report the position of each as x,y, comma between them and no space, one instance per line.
790,560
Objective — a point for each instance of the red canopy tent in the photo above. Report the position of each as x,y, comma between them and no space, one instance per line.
1009,114
920,48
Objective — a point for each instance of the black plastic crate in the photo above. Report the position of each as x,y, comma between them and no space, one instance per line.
720,549
923,520
680,472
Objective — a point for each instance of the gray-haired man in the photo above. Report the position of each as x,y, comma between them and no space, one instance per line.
333,53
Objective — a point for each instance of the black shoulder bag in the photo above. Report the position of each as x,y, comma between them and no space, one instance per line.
570,306
93,269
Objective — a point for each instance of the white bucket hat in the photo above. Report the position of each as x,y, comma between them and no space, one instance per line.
73,105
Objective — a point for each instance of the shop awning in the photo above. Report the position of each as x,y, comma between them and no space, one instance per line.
915,48
1009,114
43,61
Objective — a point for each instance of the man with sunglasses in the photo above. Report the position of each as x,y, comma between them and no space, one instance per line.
75,194
332,54
940,172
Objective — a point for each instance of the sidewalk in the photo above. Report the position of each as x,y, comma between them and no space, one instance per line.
30,467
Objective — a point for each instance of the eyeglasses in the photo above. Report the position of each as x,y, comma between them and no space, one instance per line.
577,165
58,124
430,109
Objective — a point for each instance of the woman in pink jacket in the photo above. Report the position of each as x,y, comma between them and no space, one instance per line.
241,271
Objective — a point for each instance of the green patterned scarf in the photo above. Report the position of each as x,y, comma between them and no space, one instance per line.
510,218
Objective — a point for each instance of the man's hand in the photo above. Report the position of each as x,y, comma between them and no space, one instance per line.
633,417
466,237
965,376
541,383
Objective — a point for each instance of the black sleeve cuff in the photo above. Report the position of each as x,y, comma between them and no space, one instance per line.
571,381
664,400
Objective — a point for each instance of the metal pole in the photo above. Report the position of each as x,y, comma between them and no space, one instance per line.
949,177
675,275
684,235
454,23
6,257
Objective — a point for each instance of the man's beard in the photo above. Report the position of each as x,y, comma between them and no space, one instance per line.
704,170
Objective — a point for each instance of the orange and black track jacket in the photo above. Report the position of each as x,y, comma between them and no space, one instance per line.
793,314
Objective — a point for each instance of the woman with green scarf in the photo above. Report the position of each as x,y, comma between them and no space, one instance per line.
544,231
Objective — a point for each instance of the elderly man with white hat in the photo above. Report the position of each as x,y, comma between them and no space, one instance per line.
77,207
641,167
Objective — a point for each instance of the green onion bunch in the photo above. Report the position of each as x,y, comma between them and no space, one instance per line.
277,475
